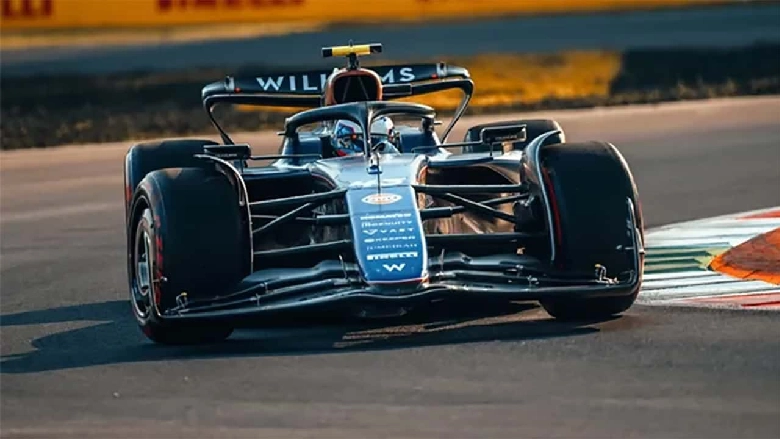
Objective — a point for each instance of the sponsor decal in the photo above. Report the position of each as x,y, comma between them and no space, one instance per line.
293,83
385,216
168,5
373,183
390,239
393,267
386,223
26,9
381,199
387,236
372,232
385,256
403,74
315,82
391,247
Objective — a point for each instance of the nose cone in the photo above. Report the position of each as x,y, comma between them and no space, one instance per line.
388,236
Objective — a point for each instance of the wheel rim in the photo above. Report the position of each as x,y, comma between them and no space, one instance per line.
141,289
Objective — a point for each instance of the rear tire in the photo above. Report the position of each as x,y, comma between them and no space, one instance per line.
185,235
533,128
590,184
144,158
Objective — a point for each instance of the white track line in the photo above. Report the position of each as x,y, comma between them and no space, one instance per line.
678,255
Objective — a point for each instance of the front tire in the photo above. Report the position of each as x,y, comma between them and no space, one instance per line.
186,238
592,190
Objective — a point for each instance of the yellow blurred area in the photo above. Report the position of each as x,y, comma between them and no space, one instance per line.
69,14
88,37
529,78
504,80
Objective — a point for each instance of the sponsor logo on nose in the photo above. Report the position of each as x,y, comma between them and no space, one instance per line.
394,267
381,198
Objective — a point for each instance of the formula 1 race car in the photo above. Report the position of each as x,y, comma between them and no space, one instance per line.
361,214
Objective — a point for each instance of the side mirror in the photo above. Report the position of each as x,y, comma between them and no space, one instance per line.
241,151
396,90
501,134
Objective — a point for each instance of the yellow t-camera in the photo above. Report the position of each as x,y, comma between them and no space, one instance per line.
359,50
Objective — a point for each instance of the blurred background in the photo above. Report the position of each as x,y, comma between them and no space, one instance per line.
75,71
75,365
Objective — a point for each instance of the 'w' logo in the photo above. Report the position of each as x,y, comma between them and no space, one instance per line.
394,267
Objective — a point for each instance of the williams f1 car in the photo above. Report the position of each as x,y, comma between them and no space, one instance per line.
368,210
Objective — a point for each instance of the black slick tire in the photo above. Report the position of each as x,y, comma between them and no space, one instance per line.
196,244
590,185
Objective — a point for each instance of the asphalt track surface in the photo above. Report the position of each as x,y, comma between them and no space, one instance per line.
722,26
75,365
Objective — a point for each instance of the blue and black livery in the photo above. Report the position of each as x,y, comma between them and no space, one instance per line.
218,237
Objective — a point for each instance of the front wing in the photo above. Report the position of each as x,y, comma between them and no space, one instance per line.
333,283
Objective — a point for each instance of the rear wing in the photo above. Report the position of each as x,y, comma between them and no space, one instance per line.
305,89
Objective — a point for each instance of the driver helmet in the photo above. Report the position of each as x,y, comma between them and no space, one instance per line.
348,137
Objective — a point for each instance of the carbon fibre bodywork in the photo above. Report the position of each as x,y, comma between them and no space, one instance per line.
410,225
393,243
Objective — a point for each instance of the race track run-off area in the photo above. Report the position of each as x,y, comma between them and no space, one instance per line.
685,262
73,363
